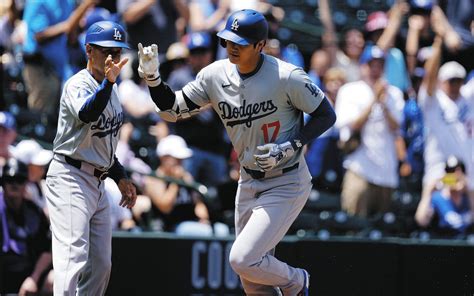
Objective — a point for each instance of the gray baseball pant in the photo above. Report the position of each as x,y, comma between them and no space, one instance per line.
82,235
265,210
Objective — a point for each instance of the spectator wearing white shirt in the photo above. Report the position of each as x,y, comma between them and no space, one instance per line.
372,108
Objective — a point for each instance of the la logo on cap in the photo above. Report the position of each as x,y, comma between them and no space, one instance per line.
117,35
235,25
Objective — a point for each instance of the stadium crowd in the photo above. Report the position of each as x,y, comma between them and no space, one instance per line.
399,160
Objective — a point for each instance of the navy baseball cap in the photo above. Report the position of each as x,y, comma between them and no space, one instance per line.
198,40
107,34
372,52
245,27
7,120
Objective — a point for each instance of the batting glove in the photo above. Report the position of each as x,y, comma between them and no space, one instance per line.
149,64
275,154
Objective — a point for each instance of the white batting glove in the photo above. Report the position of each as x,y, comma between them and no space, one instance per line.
149,64
275,154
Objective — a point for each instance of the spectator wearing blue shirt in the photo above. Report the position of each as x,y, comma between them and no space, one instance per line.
45,54
451,202
323,156
382,31
411,131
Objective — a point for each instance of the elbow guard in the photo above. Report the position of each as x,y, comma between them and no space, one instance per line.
180,110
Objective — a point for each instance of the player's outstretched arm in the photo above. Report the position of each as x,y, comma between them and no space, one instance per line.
171,106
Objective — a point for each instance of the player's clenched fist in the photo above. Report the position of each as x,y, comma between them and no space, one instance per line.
275,153
148,67
112,69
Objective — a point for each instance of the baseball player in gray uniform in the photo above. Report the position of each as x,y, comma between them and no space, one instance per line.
90,117
261,101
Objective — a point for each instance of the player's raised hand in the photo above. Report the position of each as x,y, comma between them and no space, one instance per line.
129,193
112,69
275,153
149,64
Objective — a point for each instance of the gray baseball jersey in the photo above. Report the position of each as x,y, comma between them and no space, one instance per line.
94,142
264,108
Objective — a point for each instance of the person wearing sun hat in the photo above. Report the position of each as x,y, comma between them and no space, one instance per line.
37,159
175,208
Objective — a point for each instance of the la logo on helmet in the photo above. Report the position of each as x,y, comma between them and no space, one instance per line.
235,25
117,35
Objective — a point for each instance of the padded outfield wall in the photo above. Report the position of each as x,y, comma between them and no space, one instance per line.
157,264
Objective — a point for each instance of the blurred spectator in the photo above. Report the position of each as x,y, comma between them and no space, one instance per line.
208,15
455,19
204,133
323,156
135,97
153,21
37,159
24,235
200,55
45,53
289,53
7,135
319,64
274,16
449,121
412,140
373,109
176,57
126,156
382,29
178,207
346,56
419,33
450,208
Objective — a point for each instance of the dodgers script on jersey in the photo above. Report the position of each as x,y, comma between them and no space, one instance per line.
264,108
92,142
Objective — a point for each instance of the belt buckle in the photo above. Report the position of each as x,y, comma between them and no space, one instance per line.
102,175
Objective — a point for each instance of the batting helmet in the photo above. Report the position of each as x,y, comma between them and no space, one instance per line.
245,27
107,34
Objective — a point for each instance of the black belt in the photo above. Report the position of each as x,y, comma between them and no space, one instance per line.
260,175
101,175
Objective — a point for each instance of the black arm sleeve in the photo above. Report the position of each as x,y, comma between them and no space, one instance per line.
163,97
321,120
116,171
95,105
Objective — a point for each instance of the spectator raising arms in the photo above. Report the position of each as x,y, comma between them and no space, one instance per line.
449,122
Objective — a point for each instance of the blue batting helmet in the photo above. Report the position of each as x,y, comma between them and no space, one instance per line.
107,34
245,27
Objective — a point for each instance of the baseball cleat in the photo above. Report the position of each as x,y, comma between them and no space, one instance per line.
305,290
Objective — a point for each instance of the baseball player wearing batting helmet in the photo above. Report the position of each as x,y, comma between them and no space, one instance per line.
90,117
260,100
